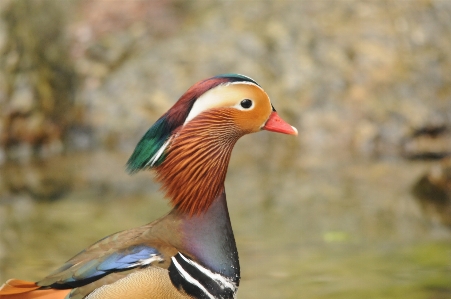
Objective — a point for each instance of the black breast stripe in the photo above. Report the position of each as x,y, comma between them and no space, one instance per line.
198,281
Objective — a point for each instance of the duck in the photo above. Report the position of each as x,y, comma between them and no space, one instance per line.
190,252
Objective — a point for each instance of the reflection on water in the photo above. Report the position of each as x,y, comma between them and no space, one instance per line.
307,226
433,192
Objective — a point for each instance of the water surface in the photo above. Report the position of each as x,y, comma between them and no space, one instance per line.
307,225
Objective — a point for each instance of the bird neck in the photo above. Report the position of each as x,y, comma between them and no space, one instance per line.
194,169
209,238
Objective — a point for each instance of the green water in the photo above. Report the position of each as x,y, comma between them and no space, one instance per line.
311,226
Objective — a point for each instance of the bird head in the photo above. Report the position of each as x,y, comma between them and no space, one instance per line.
191,144
237,101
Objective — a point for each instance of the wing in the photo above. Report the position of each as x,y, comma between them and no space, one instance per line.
72,275
109,260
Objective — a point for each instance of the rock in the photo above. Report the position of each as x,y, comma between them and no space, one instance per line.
432,142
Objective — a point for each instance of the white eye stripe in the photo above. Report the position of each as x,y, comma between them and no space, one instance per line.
247,83
215,98
242,82
244,76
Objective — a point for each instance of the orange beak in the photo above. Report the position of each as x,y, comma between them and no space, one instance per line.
276,124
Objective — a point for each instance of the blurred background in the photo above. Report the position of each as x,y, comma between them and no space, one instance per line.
358,205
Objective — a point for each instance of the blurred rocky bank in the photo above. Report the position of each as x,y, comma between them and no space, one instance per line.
367,78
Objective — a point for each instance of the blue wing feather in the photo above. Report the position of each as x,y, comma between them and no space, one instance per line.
79,274
124,260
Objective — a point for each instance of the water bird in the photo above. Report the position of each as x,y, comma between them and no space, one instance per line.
191,252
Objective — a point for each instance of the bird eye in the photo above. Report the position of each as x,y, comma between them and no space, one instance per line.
246,103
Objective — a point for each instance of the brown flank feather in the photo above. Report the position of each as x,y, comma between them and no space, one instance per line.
193,172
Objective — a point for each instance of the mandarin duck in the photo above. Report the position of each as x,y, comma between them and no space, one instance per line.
191,252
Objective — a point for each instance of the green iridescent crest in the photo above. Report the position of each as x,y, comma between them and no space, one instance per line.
150,149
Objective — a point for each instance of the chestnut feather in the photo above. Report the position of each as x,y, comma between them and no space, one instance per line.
193,172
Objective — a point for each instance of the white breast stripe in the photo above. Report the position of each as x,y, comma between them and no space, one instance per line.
190,279
221,280
158,153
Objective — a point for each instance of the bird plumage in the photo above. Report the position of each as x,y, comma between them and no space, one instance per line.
165,126
191,252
